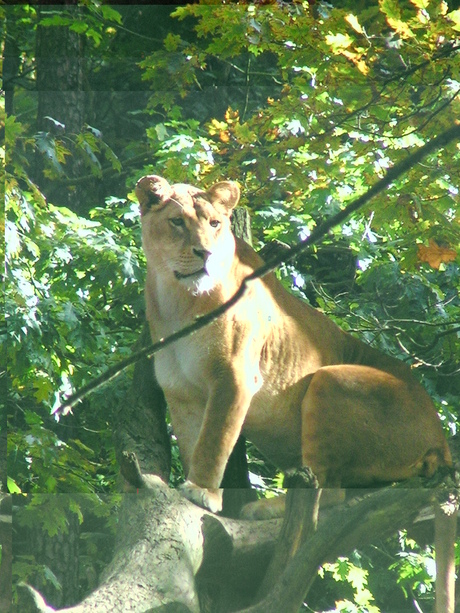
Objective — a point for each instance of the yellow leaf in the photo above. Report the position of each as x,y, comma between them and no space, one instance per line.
362,67
400,27
435,255
338,41
357,61
224,136
231,115
353,21
455,17
218,125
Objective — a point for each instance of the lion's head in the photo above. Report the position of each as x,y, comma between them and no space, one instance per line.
186,231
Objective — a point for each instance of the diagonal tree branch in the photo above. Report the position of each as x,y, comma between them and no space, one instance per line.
271,264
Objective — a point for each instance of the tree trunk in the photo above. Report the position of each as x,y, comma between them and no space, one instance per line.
62,110
6,545
140,420
55,557
59,75
173,556
299,524
3,428
65,548
163,541
11,63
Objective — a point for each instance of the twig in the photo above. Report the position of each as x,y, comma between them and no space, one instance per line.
392,175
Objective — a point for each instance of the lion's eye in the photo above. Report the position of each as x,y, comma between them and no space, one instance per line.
178,222
214,223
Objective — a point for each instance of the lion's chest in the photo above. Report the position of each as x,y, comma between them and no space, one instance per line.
182,367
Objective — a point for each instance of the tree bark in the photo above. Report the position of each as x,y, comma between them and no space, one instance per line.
60,75
445,533
140,420
11,64
376,516
6,542
3,425
299,524
173,556
62,98
163,540
65,548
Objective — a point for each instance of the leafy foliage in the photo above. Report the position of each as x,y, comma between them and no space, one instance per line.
73,308
348,96
306,106
53,516
73,305
345,571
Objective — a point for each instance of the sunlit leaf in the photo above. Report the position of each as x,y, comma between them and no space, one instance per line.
353,21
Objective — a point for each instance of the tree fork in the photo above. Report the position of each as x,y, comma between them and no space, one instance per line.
231,555
377,515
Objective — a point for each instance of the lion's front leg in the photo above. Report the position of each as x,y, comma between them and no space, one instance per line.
223,420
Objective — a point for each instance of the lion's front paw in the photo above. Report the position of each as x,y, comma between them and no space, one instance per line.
203,497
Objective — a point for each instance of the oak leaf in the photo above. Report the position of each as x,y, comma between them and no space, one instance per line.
435,255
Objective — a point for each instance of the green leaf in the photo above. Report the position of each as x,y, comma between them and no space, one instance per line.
110,14
95,35
80,27
12,487
391,8
454,17
56,20
46,144
172,42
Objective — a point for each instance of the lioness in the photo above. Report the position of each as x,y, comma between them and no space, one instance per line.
302,390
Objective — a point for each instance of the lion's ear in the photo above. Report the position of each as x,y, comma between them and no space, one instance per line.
152,192
225,193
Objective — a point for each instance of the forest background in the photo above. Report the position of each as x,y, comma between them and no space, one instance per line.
306,105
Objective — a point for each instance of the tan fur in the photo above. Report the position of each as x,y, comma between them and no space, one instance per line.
302,390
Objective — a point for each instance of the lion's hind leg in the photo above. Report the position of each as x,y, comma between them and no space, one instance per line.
362,426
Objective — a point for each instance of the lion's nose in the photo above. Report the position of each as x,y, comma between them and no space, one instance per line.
202,253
